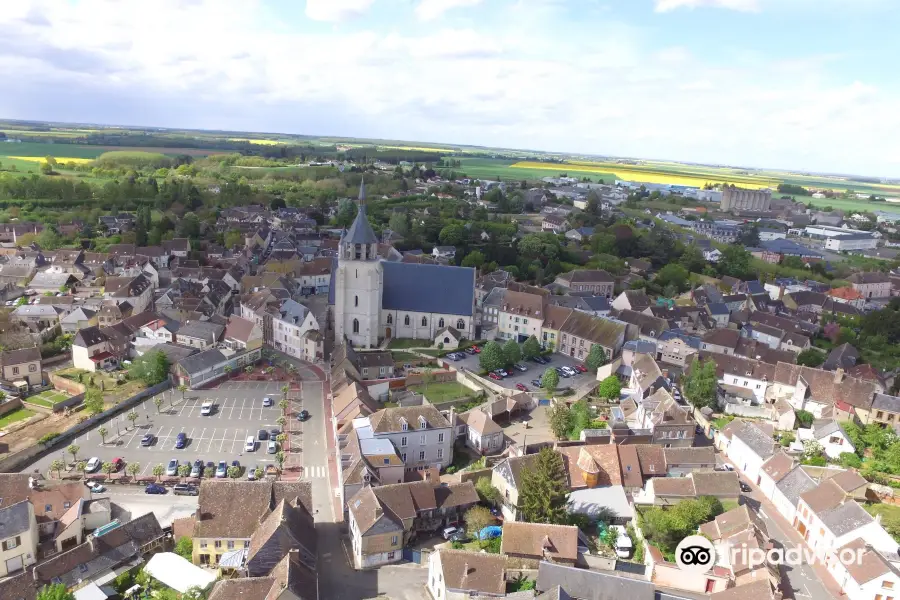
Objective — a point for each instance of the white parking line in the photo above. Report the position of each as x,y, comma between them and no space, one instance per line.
212,437
241,416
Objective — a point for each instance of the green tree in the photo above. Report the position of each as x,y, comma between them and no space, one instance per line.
560,418
666,527
811,357
185,547
477,518
452,234
673,274
610,388
184,470
158,401
209,472
281,421
487,493
182,388
491,357
511,352
132,469
151,368
692,259
399,224
735,262
804,418
850,460
596,358
103,431
279,458
132,416
93,402
158,471
531,347
81,467
234,472
73,449
701,383
544,492
57,465
55,591
549,380
474,259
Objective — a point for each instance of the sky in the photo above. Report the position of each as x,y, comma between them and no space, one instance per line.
805,85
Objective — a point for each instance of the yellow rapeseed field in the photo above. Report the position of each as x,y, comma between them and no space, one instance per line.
260,142
59,159
647,174
417,148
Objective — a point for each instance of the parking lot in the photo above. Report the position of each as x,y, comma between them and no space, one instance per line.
237,413
535,371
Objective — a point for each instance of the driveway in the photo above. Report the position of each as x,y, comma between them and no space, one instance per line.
535,371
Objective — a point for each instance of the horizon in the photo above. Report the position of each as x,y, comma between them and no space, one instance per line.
758,84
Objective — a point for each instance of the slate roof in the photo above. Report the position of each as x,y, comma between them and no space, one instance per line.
594,329
844,356
388,420
585,584
201,361
755,438
89,336
796,483
17,357
428,288
886,402
473,572
14,520
203,330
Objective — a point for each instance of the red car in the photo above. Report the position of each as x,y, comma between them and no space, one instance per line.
118,463
494,376
580,368
521,387
477,349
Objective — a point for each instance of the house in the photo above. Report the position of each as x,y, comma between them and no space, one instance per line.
844,357
242,334
648,327
207,366
553,223
421,434
507,478
234,515
535,542
47,281
783,481
520,316
79,318
885,410
580,332
24,364
823,393
385,519
564,582
581,234
676,348
830,435
668,423
721,341
458,575
448,338
18,537
636,300
597,281
873,284
199,334
872,576
179,247
480,431
38,317
91,350
666,491
137,291
646,377
444,252
749,447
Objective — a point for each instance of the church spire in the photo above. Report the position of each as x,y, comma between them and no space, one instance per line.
360,231
362,192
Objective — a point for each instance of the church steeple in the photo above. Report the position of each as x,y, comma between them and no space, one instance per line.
362,193
360,241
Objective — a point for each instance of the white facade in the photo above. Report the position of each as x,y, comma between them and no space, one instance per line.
289,336
422,325
511,326
834,444
842,243
747,382
420,448
357,296
746,460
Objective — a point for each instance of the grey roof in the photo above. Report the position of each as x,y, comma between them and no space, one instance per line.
718,308
788,247
597,303
428,288
36,310
886,402
201,361
823,427
89,336
690,340
584,584
756,439
843,356
174,352
360,231
845,517
202,330
14,520
795,483
45,279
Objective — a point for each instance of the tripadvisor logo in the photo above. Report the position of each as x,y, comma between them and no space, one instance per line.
695,553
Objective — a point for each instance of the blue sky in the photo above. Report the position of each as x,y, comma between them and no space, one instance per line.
793,84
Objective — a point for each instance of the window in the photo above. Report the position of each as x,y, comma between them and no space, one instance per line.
15,370
440,438
422,423
32,368
12,543
390,319
387,461
422,455
403,424
424,322
391,555
440,453
48,508
231,544
460,324
355,300
246,543
393,540
441,324
880,415
218,544
422,439
403,442
203,544
355,325
406,321
887,584
517,319
403,457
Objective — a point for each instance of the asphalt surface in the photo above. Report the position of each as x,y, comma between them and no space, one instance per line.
238,413
535,371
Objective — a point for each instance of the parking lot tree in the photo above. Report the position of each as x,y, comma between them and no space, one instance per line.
57,465
281,438
132,416
159,471
701,383
184,470
512,352
279,457
491,357
109,468
283,405
102,431
73,449
549,380
531,347
596,358
158,401
477,518
81,467
258,472
610,388
543,495
209,472
281,421
55,591
487,493
182,388
133,469
234,472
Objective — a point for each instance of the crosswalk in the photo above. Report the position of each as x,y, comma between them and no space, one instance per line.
315,472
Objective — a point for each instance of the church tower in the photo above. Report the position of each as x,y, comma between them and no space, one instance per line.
359,282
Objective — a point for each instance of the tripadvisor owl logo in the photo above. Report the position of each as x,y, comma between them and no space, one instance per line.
695,553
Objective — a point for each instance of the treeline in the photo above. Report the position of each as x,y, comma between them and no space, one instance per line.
789,188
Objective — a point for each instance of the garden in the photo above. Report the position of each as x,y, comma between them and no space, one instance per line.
48,398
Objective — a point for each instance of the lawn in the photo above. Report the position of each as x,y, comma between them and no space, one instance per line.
442,392
47,398
407,343
16,415
890,517
729,504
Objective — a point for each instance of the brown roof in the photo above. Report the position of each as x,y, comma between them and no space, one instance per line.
630,467
652,459
555,316
758,590
292,525
403,501
738,365
700,455
51,503
778,466
849,481
524,304
588,276
245,588
375,359
389,419
872,565
698,484
722,337
239,329
602,456
728,523
540,541
234,509
470,571
13,488
826,495
61,564
17,357
183,527
827,387
19,587
673,486
478,420
594,329
648,324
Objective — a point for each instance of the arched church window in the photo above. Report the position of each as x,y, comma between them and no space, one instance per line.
355,325
355,300
406,321
460,324
424,322
390,319
441,324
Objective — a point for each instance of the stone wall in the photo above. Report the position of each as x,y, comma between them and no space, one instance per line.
67,385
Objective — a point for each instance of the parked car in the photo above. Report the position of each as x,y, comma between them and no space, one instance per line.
147,440
541,360
222,469
521,387
236,462
724,467
561,372
185,489
536,382
745,488
571,372
262,435
274,433
622,544
154,488
172,469
250,446
93,465
117,464
251,472
95,487
181,440
520,367
448,532
197,468
580,368
501,373
267,401
470,350
477,349
494,376
303,415
272,447
206,408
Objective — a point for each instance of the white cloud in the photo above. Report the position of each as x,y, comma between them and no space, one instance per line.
740,5
428,10
336,11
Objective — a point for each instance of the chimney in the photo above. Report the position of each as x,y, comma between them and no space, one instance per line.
839,375
378,511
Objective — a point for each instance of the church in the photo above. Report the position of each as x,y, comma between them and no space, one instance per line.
376,299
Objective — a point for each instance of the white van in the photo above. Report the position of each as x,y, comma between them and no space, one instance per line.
250,446
206,408
623,542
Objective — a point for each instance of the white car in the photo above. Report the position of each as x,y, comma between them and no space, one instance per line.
623,542
570,371
94,464
206,409
95,487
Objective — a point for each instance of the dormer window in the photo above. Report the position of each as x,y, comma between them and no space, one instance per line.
422,423
403,424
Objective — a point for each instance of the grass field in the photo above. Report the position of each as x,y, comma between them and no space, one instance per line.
47,398
442,392
16,415
64,152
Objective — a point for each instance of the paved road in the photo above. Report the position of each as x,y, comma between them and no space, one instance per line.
535,371
130,502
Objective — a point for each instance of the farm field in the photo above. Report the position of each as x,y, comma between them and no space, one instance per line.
497,168
62,152
649,173
59,159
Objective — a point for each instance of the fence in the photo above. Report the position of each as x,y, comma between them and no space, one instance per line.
8,407
20,460
67,385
